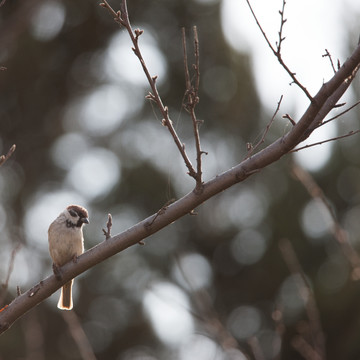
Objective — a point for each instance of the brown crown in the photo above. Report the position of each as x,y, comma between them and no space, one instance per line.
82,212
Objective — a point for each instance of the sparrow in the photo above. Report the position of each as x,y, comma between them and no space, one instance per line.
66,243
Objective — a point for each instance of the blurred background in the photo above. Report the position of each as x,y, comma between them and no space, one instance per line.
230,283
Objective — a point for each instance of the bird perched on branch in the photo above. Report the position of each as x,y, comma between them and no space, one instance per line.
66,243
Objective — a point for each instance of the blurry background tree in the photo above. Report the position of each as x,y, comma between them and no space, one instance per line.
212,286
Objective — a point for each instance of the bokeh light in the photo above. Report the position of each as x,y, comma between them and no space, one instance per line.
48,20
333,274
120,61
193,271
292,297
46,205
68,148
168,310
95,173
248,246
103,110
203,348
244,322
316,220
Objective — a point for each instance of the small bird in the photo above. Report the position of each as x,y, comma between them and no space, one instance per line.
66,243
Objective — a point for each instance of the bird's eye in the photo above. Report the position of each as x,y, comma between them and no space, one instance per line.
72,212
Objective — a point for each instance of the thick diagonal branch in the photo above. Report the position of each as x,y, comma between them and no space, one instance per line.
154,223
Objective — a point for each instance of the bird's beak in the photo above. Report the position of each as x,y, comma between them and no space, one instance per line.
85,221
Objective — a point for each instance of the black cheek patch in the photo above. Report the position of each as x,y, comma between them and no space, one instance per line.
73,213
69,224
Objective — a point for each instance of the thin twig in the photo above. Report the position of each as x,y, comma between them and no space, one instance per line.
327,54
280,327
255,347
197,60
10,270
107,232
331,102
122,18
186,67
338,232
261,141
304,348
4,158
307,295
78,334
350,133
287,116
276,51
160,212
206,314
340,114
34,336
192,96
282,23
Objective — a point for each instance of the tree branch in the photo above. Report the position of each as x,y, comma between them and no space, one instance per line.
122,18
319,107
261,141
338,232
277,51
4,158
192,95
350,133
332,96
10,269
307,295
341,114
78,334
327,54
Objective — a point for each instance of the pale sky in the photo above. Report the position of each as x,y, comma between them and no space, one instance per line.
311,27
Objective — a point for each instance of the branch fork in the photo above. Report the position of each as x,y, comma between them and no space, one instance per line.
185,205
318,108
277,51
122,18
